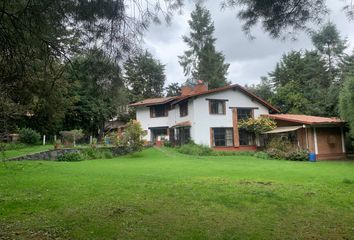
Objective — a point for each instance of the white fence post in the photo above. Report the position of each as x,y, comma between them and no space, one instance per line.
43,139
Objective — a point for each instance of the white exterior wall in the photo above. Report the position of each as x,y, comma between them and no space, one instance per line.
198,114
143,116
205,121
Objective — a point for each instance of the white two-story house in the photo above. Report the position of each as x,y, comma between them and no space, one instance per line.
208,117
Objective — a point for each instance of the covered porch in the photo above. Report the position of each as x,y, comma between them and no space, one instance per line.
320,135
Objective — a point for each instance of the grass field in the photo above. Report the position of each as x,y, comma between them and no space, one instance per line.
160,194
27,150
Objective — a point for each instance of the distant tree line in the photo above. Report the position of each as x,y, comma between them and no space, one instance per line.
315,82
70,64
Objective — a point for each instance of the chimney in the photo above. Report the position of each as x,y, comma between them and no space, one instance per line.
198,87
186,90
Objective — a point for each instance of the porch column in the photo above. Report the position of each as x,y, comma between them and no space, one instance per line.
343,139
235,127
315,140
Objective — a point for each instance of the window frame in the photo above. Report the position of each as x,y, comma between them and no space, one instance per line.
153,111
248,116
225,139
183,111
222,101
250,137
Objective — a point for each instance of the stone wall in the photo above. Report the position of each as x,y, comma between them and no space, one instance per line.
54,154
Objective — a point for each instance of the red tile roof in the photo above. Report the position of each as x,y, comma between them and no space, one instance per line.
305,119
233,86
153,101
157,101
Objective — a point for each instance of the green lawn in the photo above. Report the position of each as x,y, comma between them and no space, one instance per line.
27,150
160,194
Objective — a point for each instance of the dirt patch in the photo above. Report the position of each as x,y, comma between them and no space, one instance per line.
247,182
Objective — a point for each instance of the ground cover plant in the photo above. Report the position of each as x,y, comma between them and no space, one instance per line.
163,194
201,150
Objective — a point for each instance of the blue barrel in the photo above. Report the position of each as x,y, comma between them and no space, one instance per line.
312,157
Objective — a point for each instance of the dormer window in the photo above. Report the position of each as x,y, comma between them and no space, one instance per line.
217,106
158,111
183,109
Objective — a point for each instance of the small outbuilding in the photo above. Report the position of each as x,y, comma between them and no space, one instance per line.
320,135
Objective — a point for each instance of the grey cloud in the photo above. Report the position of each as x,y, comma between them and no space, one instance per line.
249,59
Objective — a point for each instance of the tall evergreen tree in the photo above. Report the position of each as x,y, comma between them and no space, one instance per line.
201,60
346,94
301,83
144,76
173,89
346,102
329,43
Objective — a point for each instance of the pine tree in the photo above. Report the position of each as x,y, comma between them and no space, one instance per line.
329,43
201,60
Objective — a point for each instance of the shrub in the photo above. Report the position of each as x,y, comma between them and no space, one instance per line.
70,137
201,150
29,136
257,125
168,144
195,149
297,155
70,157
133,136
95,153
279,148
14,146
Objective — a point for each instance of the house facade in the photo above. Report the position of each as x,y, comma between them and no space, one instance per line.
208,117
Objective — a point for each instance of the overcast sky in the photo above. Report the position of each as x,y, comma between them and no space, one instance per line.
248,59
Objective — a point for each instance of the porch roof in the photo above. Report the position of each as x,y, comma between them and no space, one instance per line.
305,119
183,124
284,129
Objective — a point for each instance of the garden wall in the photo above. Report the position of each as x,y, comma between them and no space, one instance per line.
55,153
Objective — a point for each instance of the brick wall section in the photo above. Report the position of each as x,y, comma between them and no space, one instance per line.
186,90
193,89
235,128
329,140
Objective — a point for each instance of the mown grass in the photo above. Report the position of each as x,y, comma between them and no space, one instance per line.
27,150
162,194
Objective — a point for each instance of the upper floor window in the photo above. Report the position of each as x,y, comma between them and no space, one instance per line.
244,113
217,106
158,111
183,109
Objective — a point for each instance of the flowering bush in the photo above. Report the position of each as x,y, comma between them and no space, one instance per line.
257,125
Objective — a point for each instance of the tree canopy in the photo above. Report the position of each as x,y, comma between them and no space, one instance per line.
98,91
144,77
201,60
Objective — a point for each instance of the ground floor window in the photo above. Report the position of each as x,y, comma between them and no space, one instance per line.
223,137
183,135
246,138
158,133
